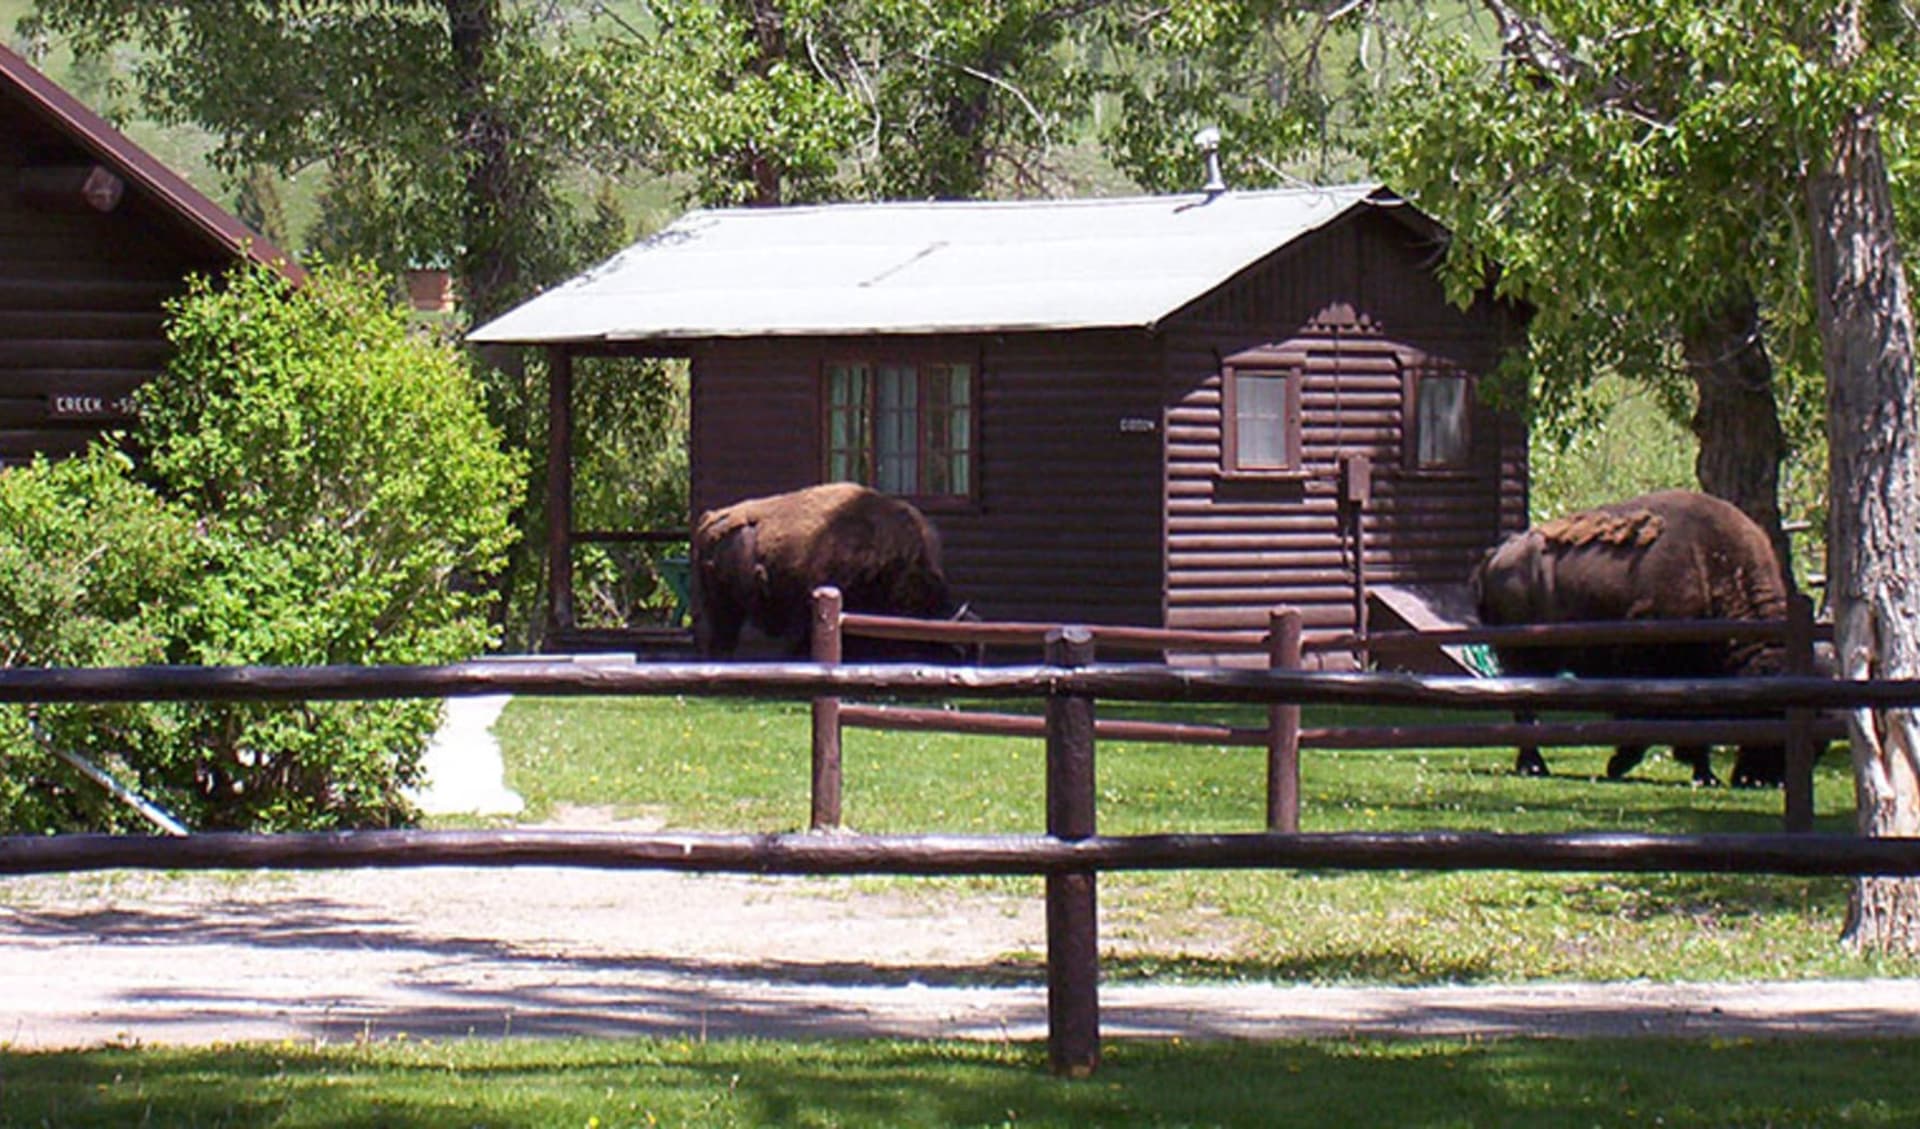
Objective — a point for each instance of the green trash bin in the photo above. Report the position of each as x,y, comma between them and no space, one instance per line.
678,574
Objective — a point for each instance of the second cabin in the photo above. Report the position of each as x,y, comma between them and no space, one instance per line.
1170,411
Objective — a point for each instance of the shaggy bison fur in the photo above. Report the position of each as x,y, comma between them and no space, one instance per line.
1670,555
758,561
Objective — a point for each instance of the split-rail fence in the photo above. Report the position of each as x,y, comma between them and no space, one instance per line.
1069,855
1801,733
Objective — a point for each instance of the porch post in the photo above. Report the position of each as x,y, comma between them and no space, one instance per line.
559,490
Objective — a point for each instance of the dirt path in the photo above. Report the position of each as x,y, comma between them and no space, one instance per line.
156,959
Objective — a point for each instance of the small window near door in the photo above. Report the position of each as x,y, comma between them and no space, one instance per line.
1442,410
901,428
1262,420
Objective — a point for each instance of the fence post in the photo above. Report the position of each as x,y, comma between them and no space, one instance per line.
826,713
1283,726
1800,743
1073,935
560,611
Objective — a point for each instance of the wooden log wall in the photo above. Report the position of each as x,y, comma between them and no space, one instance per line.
81,294
1064,522
1354,311
1068,521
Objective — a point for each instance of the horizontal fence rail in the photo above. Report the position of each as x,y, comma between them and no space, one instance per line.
1574,633
1069,856
1797,731
1463,736
1585,633
811,854
1122,682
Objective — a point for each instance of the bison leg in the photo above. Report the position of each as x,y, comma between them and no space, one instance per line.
717,631
1760,766
1700,757
1625,759
1527,761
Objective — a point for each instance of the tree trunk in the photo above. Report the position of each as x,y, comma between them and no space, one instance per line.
763,167
1873,572
502,253
1737,420
489,269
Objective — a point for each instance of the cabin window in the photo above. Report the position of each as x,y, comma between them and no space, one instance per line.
1262,413
901,428
1442,410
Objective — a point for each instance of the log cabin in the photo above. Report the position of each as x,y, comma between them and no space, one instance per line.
1172,411
95,236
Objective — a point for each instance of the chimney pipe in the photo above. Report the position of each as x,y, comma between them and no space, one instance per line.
1209,141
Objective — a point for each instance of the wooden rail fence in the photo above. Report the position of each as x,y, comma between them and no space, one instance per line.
1071,853
1799,731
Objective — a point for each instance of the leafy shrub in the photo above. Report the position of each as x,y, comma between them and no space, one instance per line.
91,565
340,483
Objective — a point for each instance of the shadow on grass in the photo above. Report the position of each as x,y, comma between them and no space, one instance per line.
1565,804
1329,1083
1382,965
1719,897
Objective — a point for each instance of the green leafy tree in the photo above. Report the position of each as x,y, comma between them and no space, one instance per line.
1614,167
1270,76
1862,71
1745,145
441,102
783,101
320,487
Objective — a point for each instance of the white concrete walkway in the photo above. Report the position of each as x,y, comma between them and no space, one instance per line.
464,774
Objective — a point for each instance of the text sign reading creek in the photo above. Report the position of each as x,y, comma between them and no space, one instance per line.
70,405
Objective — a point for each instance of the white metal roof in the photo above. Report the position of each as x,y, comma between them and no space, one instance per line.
923,268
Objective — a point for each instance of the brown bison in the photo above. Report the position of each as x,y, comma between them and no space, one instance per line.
1671,555
759,560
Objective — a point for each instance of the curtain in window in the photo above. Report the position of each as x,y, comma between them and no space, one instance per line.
896,448
1260,421
901,428
849,409
1440,435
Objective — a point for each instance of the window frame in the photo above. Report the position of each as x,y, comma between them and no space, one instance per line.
920,362
1414,376
1293,377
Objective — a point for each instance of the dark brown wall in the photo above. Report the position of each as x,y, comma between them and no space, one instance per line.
1354,307
1065,523
80,299
1068,525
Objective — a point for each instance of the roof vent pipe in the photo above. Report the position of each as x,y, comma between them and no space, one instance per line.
1209,141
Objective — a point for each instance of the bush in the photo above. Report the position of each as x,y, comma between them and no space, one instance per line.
341,482
91,566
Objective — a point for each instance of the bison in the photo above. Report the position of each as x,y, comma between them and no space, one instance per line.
1671,555
759,560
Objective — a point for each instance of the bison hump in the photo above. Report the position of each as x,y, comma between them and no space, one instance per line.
1635,529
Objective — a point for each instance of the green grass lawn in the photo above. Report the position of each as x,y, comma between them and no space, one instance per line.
1329,1084
743,766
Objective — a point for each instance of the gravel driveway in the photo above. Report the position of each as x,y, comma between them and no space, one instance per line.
197,959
